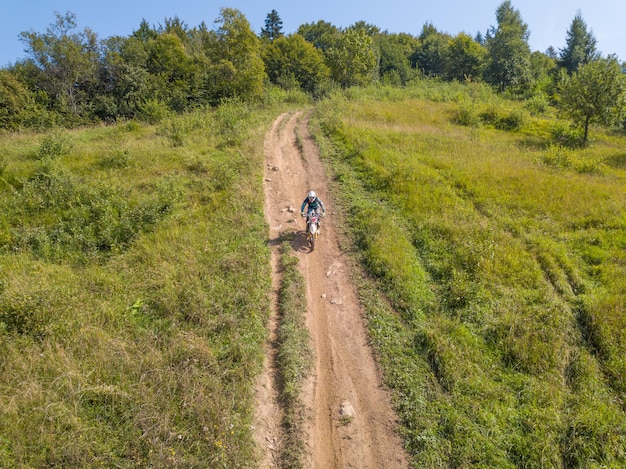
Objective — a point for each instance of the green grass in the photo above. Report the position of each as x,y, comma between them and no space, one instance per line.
294,356
134,292
502,327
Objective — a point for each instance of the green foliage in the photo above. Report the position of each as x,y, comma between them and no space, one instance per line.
232,119
492,115
465,59
134,286
537,104
273,27
352,60
505,347
236,68
68,62
294,356
508,51
430,56
580,46
596,93
293,57
53,146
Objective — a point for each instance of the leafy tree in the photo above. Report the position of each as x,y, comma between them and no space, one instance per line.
465,60
551,52
176,27
508,50
394,51
352,62
69,61
273,27
291,57
542,68
126,80
322,35
171,68
431,54
595,93
14,98
580,46
236,67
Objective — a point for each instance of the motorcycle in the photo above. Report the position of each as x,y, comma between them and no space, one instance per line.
312,227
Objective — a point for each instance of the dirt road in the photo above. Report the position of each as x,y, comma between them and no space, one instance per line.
345,374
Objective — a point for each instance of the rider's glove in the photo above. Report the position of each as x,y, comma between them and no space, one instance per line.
323,214
301,214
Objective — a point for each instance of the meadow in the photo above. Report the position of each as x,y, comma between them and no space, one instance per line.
494,260
134,290
135,282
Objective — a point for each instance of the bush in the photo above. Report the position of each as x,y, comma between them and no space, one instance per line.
467,115
537,105
512,121
24,313
564,134
153,111
54,146
233,118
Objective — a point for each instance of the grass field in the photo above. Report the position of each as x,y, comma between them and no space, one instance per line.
134,292
135,278
501,255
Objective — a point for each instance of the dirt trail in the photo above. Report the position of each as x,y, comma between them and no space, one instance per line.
345,373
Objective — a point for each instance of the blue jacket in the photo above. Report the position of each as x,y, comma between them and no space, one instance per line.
317,203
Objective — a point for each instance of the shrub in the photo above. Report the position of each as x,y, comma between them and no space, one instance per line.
564,134
558,156
537,104
233,118
54,146
511,121
467,115
153,111
24,313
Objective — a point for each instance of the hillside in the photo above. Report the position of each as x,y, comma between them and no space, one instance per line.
472,261
495,294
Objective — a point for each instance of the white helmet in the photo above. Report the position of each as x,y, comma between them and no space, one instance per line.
312,196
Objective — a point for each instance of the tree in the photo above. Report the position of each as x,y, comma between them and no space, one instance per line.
171,68
14,98
508,50
322,35
273,27
291,57
542,68
352,61
580,46
595,93
236,68
466,59
431,54
394,51
69,61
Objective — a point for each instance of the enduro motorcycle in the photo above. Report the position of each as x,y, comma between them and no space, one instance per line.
312,227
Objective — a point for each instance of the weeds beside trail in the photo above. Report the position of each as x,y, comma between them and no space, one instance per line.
134,285
502,328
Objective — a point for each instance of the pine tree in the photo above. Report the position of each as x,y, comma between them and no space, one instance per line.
509,52
580,46
273,27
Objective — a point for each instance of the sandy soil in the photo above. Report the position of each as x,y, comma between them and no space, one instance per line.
345,376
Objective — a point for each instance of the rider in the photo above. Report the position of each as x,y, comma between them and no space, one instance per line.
314,203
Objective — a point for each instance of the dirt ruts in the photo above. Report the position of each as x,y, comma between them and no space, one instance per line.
349,419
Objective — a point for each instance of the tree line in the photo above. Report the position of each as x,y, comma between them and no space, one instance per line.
71,77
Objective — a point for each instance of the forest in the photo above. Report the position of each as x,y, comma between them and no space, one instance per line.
71,77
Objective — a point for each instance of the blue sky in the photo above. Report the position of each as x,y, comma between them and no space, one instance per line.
548,20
